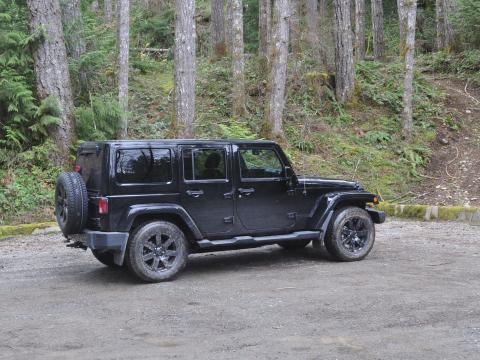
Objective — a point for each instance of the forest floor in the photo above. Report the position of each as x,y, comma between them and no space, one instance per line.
452,176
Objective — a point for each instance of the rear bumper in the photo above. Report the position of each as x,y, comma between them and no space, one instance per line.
378,217
116,242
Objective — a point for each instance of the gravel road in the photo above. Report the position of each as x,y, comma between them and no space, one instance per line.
417,296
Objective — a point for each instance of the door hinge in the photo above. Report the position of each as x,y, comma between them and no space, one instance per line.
228,220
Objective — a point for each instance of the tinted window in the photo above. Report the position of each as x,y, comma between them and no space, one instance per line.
143,165
260,163
204,164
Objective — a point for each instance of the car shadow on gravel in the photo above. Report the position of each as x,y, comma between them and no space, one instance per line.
216,262
269,257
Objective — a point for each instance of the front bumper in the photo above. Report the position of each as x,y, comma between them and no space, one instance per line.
378,217
116,242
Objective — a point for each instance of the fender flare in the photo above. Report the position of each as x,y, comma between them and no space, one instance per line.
322,212
168,209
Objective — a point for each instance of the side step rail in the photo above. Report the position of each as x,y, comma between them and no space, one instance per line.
250,241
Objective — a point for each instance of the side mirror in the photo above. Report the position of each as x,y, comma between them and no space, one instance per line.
290,177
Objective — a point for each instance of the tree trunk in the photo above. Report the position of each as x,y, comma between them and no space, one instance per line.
107,10
360,30
410,7
238,59
295,15
94,6
185,46
264,31
278,68
229,26
326,35
51,70
445,33
74,38
402,20
218,27
73,25
345,72
377,30
123,9
311,20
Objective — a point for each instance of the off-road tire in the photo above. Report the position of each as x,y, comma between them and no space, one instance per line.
339,240
144,242
71,203
105,257
294,245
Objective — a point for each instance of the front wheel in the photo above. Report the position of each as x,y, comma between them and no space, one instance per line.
157,251
351,234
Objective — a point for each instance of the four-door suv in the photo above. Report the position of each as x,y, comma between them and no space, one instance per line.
148,204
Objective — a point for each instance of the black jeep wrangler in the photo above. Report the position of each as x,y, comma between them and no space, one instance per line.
148,204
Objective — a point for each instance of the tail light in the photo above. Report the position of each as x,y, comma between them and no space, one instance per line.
77,168
103,206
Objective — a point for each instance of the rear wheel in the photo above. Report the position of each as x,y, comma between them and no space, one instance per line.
351,234
157,251
294,245
105,257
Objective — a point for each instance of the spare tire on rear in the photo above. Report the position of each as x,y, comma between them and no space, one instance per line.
71,203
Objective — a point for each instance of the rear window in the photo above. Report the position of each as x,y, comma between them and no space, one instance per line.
147,165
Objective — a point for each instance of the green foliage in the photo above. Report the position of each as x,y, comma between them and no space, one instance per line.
378,137
467,23
149,30
100,120
23,120
250,25
415,156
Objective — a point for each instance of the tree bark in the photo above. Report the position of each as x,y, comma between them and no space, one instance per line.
107,10
123,9
326,35
402,20
360,30
278,68
377,30
445,34
345,72
238,59
295,15
218,27
185,47
94,6
74,38
264,31
51,70
410,7
229,26
311,20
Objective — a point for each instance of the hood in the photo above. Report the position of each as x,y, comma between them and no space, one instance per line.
319,182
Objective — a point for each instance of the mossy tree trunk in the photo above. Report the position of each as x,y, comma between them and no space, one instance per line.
74,39
378,31
264,31
445,39
278,68
295,14
184,54
402,20
238,60
360,30
410,8
229,26
345,72
51,71
123,30
107,10
311,21
218,27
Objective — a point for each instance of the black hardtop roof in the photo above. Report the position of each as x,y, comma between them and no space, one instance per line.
180,141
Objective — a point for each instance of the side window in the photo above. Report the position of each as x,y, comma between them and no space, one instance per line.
260,163
133,166
204,164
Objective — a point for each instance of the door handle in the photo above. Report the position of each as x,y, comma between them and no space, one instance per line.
246,191
194,193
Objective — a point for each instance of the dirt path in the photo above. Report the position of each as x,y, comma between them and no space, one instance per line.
453,175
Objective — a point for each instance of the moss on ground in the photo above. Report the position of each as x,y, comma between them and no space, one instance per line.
25,229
